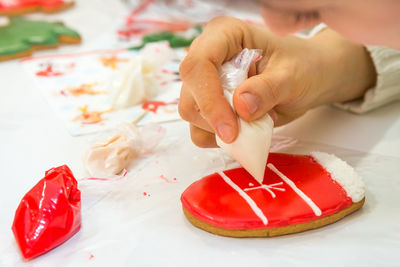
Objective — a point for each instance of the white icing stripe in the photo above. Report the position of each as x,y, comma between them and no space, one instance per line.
306,199
246,197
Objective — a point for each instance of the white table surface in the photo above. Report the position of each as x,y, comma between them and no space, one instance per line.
122,227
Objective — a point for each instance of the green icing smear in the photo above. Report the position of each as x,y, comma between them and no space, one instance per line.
20,34
174,40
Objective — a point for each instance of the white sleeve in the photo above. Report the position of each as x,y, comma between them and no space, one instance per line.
387,88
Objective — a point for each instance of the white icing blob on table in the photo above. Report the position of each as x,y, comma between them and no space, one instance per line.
136,82
114,153
342,173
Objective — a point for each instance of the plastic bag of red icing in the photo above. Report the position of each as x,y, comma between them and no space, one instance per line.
49,214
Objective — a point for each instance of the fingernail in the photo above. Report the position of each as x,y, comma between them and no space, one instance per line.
251,101
225,131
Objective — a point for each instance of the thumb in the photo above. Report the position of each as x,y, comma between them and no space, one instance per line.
258,95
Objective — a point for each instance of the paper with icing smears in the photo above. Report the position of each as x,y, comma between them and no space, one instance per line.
77,86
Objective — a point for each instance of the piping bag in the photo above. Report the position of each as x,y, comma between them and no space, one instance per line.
251,147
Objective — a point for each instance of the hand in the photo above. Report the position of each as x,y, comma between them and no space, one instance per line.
293,76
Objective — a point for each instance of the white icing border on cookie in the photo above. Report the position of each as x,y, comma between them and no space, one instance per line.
342,173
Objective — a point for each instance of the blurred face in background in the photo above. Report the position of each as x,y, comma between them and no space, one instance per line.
374,22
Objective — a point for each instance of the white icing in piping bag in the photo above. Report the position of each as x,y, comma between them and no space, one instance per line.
251,147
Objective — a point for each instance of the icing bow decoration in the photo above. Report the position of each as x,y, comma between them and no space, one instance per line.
49,214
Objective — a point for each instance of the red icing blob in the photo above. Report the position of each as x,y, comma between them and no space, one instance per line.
216,202
49,214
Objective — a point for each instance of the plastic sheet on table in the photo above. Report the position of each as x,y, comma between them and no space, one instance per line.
138,220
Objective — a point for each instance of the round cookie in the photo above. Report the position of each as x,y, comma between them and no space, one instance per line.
19,7
298,193
20,37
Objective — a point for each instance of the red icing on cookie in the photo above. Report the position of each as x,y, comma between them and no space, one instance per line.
234,200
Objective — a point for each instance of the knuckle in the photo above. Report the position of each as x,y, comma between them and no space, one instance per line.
207,108
216,21
222,20
186,67
185,111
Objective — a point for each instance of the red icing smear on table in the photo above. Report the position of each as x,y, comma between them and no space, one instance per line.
139,9
153,106
48,72
141,26
167,180
215,202
30,3
49,214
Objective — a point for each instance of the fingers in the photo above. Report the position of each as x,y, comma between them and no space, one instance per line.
200,76
202,138
203,82
189,111
259,94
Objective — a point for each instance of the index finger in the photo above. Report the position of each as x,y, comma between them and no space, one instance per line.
200,73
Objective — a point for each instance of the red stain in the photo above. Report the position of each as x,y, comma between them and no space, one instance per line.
121,176
62,92
167,180
146,194
139,9
48,72
153,106
91,257
164,83
135,25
